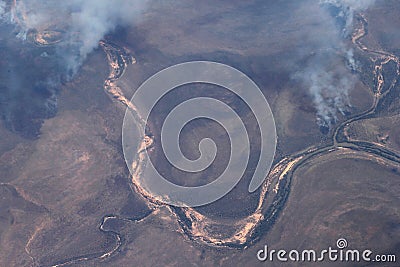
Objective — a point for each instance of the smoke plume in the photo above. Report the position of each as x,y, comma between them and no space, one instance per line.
82,22
347,9
31,74
329,66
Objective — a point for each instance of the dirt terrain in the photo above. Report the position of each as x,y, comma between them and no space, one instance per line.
68,199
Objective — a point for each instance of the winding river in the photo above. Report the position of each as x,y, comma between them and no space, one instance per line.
276,188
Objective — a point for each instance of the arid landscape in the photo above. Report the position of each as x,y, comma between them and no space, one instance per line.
329,70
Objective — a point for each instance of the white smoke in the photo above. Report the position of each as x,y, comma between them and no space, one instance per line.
329,86
92,19
349,8
359,5
330,63
85,22
2,8
351,61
